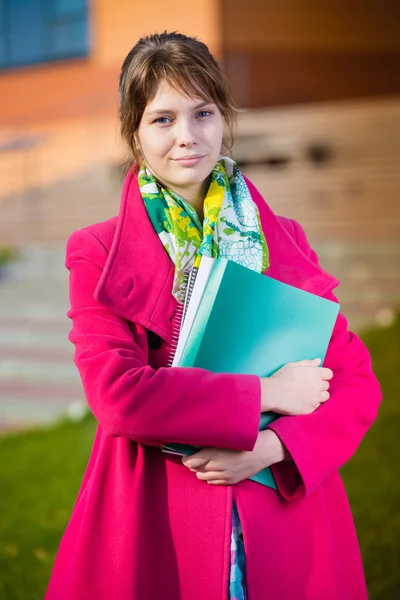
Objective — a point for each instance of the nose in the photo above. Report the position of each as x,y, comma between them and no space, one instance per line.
185,133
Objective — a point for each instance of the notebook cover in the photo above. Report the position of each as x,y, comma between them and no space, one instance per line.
249,323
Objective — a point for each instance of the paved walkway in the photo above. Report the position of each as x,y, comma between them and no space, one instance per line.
38,379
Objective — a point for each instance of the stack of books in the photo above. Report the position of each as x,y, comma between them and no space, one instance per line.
236,320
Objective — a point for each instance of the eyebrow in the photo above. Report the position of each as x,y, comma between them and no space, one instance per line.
160,111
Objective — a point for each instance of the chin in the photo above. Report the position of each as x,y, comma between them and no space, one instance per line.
191,178
192,175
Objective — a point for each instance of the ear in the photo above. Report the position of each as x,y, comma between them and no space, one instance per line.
136,145
226,148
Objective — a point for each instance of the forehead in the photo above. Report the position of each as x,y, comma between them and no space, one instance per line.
170,96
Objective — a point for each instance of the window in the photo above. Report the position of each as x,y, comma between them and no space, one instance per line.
37,31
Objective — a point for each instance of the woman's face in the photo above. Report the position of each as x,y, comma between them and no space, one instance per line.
180,139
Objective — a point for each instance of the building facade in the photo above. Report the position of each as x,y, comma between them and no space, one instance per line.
321,139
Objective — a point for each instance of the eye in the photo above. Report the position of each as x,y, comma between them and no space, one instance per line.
162,120
204,113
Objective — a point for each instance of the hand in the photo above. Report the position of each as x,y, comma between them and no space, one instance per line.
298,388
218,466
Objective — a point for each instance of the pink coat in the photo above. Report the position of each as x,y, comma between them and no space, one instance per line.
143,526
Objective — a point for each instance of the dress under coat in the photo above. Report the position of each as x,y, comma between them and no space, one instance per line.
143,526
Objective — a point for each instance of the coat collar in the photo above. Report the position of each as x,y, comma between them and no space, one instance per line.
137,257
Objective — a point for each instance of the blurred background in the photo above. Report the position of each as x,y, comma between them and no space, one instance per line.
319,135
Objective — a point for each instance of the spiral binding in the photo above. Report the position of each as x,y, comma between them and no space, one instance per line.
188,282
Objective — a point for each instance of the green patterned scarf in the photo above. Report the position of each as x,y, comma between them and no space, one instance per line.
231,226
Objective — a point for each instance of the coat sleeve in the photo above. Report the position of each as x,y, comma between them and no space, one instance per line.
320,443
130,398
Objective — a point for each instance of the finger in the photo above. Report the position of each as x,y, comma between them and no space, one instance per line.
324,396
325,385
201,469
218,482
196,460
196,463
308,363
208,475
210,465
326,373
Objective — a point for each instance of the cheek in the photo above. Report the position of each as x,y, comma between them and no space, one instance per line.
214,135
153,141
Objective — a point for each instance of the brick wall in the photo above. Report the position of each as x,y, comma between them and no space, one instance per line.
286,51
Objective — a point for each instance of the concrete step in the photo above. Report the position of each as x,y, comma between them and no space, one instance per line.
44,262
39,382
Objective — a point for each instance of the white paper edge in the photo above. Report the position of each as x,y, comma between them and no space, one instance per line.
203,275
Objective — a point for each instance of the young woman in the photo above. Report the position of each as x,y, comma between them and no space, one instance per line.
147,525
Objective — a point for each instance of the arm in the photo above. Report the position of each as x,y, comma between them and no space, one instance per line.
321,442
127,396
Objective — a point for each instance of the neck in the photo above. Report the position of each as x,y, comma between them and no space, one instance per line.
194,196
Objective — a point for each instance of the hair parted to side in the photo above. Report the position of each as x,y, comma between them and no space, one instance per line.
184,63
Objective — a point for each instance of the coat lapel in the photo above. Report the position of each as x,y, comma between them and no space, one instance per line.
138,276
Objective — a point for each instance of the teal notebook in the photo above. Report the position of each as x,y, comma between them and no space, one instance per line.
249,323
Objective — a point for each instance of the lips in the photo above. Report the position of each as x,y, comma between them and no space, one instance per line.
189,161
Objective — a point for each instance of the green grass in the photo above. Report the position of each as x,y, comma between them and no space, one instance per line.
40,475
41,471
372,476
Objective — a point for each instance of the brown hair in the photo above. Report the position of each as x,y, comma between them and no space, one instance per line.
183,62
